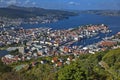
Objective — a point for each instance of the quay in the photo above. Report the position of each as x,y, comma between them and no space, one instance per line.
40,42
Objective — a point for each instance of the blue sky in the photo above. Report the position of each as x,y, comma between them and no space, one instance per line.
66,4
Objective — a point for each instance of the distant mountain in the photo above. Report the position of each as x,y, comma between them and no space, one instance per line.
103,12
13,11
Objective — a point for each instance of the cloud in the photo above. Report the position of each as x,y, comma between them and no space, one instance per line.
33,3
73,3
1,1
10,2
16,2
27,1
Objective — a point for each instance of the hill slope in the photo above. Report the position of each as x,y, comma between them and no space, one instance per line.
99,66
27,12
103,12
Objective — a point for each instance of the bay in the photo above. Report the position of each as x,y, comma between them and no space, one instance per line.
83,19
3,53
113,22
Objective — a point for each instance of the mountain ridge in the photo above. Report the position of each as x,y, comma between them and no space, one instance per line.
13,11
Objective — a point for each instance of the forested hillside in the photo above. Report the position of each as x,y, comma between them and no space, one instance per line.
100,66
13,11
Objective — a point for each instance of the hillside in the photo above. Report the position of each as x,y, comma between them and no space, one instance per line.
27,12
99,66
103,12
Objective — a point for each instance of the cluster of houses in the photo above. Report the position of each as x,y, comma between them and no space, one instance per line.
54,61
48,36
112,42
41,42
8,59
5,22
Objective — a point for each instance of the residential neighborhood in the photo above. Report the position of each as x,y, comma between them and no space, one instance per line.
42,42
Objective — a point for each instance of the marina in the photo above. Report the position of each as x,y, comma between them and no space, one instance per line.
76,21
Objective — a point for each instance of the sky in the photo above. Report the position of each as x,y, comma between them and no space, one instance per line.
66,4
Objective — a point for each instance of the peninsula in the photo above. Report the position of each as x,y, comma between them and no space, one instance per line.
15,15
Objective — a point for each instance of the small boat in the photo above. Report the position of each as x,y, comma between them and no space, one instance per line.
109,31
97,37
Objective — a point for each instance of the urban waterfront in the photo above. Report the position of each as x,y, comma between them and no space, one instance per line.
59,40
83,19
111,21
